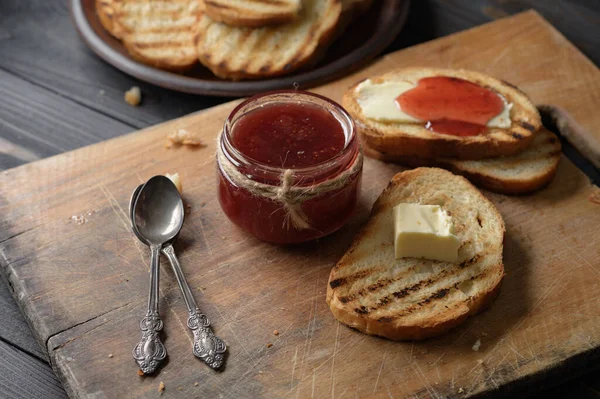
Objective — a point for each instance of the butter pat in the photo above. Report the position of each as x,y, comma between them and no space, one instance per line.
378,102
424,231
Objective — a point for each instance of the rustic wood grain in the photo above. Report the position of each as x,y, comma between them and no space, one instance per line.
32,117
85,294
18,372
18,335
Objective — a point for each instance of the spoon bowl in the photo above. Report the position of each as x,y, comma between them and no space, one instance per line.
158,212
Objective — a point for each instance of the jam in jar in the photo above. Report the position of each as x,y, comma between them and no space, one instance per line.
289,166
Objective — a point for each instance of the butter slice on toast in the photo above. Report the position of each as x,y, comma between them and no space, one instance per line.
413,298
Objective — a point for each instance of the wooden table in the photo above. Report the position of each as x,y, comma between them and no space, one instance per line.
57,96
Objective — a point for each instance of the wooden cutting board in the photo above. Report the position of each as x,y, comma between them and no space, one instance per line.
80,276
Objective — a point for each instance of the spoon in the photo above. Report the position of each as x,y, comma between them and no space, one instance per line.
157,219
206,345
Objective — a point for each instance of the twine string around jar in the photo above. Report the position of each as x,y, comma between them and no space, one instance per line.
290,196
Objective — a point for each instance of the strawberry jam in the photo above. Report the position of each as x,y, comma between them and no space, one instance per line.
451,105
289,166
289,135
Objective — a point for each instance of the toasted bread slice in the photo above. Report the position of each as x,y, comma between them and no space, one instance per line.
159,33
253,13
410,298
414,139
105,9
248,53
522,173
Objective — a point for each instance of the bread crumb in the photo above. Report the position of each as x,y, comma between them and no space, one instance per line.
476,345
133,96
141,373
110,355
269,345
161,387
176,181
196,384
203,287
461,390
183,137
282,308
79,219
594,196
275,332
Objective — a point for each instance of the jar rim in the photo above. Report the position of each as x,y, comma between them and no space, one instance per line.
343,117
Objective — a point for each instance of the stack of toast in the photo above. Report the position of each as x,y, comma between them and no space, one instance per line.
516,159
235,39
376,290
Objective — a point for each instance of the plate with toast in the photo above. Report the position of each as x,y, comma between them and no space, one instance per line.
238,48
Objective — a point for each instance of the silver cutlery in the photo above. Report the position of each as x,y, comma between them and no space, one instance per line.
206,345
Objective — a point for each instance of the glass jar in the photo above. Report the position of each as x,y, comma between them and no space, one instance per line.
289,205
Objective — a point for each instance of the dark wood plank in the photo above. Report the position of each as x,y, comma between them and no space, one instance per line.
36,123
25,377
578,20
15,329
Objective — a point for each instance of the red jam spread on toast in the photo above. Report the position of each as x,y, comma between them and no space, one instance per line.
451,105
289,135
306,134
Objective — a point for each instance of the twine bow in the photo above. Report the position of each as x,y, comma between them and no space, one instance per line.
291,197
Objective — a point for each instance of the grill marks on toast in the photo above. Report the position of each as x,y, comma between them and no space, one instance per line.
424,301
159,33
105,9
238,52
342,281
418,298
404,291
252,13
176,34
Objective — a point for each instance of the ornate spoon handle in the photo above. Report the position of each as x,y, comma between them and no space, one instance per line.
207,346
150,351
